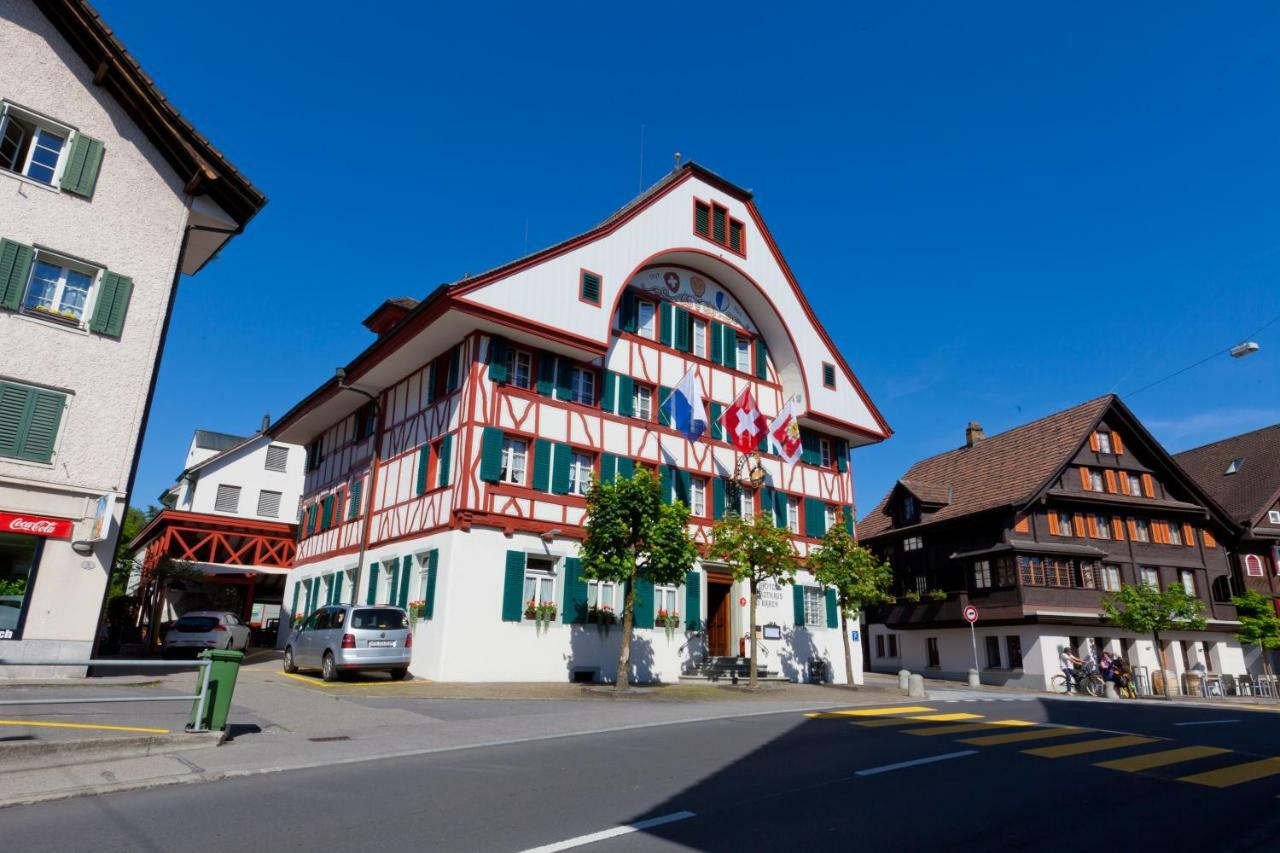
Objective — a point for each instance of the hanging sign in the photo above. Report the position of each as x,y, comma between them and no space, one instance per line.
35,525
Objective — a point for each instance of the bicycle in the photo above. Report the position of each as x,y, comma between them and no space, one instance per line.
1090,681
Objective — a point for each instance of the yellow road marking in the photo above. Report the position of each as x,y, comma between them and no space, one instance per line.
947,718
317,682
1099,745
83,726
869,712
890,721
1018,737
1161,759
1228,776
964,729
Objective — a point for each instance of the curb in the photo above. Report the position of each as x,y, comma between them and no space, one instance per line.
40,755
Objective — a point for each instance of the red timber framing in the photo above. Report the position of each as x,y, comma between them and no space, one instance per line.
200,538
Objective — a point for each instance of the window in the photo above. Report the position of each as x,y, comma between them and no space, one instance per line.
583,386
1110,578
589,288
19,558
829,517
647,326
1187,578
1141,530
59,289
29,421
1273,516
1236,465
1013,649
793,514
699,337
604,596
879,645
1060,523
931,647
1005,571
993,652
665,602
519,368
514,454
227,499
743,357
1103,441
815,607
31,146
982,574
1175,534
893,645
642,402
581,468
828,375
269,504
698,497
539,581
277,458
824,452
1149,576
746,504
1253,566
712,221
1095,481
1101,527
922,584
912,543
910,509
366,421
1130,485
1050,571
315,454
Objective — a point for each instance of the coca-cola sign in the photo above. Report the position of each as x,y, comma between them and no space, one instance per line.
35,525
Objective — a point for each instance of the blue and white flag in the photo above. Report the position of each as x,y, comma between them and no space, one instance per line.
684,409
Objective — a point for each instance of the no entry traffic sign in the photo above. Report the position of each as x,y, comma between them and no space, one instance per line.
971,614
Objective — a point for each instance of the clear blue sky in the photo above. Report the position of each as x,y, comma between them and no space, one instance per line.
997,211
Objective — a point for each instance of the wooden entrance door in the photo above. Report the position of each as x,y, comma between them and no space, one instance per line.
719,643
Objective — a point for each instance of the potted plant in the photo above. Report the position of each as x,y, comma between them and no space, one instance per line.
602,615
911,596
667,619
540,613
938,595
417,609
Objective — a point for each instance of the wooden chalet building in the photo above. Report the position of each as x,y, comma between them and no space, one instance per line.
1031,527
447,465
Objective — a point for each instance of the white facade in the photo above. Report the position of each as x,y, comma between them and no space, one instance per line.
256,478
91,372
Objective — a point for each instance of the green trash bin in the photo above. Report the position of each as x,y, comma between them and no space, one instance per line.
222,684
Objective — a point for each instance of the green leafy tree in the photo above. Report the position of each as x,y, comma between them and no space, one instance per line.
1259,625
632,535
122,566
1144,609
753,551
860,579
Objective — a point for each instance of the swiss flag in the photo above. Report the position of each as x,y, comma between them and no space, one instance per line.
743,424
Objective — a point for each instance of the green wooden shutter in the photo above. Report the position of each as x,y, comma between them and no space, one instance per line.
815,521
717,342
797,602
29,421
432,369
811,451
717,430
833,612
424,460
297,588
730,349
575,592
546,374
629,318
335,589
683,483
608,399
766,501
718,497
326,513
455,369
626,467
702,219
664,483
513,588
306,598
564,379
780,508
643,612
683,330
15,269
490,454
841,449
608,467
393,577
664,413
113,303
693,601
848,518
371,596
81,172
446,459
541,475
762,359
664,323
626,396
589,288
560,469
429,597
353,508
498,359
406,578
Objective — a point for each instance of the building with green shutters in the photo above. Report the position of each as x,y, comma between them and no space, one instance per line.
447,463
107,196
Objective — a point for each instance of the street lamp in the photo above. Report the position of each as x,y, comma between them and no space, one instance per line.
1244,348
340,374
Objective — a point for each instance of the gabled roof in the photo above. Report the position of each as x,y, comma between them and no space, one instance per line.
1247,494
207,439
930,494
1003,470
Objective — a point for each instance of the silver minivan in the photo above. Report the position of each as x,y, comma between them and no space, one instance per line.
343,638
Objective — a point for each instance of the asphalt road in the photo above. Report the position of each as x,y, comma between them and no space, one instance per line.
1000,776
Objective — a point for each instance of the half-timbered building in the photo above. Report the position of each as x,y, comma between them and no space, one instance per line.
448,462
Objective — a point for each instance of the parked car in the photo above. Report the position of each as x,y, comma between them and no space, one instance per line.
342,638
206,629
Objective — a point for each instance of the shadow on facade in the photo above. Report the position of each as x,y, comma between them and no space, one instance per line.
792,659
593,655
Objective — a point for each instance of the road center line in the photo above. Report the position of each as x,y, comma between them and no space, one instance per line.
903,764
1206,722
583,840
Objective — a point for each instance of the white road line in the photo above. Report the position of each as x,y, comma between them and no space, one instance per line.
889,767
1206,722
583,840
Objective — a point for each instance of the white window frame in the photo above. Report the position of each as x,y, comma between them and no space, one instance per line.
982,574
1065,527
742,353
1175,533
829,517
543,579
1096,481
1111,580
1103,525
613,592
1147,574
514,450
422,559
746,503
699,341
912,543
64,265
648,329
1273,516
1104,441
39,123
519,368
582,386
815,607
793,514
1187,579
698,497
1254,567
642,402
582,467
1142,529
664,595
825,455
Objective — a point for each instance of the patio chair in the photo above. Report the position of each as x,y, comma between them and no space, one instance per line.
1229,686
1246,685
1265,685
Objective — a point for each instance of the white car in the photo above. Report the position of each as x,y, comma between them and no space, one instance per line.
207,629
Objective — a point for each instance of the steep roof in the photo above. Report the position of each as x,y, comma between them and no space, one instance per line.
1003,470
207,439
1249,492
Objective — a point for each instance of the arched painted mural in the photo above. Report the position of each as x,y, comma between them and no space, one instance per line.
693,291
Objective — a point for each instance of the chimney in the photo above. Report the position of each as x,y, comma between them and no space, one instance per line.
266,422
973,434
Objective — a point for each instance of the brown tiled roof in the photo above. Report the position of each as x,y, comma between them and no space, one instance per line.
937,494
1003,470
1249,492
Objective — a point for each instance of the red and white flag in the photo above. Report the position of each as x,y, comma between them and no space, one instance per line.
743,424
784,434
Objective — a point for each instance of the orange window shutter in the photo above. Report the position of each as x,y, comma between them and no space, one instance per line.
1093,442
1084,479
1133,530
1188,536
1111,480
1124,483
1148,486
1117,447
1023,525
1209,541
1093,526
1077,523
1053,525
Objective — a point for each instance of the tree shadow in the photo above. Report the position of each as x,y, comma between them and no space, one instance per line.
795,657
593,655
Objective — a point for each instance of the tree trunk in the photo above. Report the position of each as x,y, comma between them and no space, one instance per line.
848,653
1164,670
623,681
754,639
157,608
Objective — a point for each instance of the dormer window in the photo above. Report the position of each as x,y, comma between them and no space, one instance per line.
712,221
1104,441
910,509
1236,465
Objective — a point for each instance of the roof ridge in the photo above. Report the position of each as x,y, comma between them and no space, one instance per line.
1229,438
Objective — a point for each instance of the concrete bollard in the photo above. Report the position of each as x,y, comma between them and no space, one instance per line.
974,681
1109,689
904,677
916,689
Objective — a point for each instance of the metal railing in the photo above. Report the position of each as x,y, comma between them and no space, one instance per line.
200,697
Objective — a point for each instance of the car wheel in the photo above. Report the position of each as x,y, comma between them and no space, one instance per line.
328,669
399,673
289,665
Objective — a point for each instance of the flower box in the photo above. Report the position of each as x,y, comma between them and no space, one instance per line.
666,620
596,616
